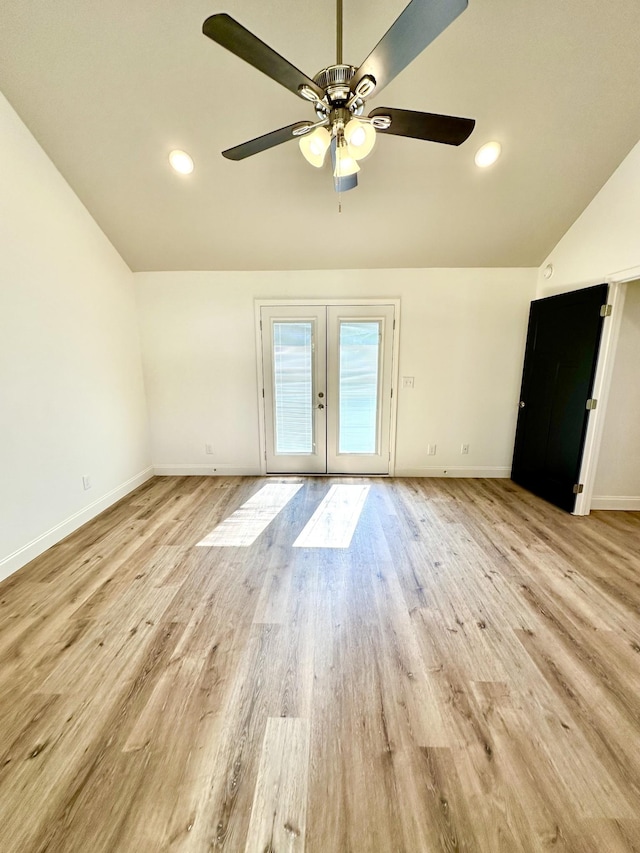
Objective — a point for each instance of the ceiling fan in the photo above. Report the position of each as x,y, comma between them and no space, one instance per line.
339,92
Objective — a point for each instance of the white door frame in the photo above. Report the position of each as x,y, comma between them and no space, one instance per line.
260,303
602,385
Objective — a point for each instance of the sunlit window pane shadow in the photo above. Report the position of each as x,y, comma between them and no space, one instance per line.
333,524
243,527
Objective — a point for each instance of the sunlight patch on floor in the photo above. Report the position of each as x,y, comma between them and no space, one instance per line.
243,527
334,522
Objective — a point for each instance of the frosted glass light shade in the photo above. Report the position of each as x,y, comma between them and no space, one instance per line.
360,137
345,164
314,146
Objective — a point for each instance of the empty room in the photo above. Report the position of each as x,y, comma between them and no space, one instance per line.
319,426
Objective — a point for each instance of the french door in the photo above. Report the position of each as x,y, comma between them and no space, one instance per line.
327,373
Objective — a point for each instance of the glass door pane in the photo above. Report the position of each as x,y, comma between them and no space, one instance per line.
358,386
293,386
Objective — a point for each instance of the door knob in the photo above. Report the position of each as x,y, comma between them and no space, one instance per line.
521,404
320,394
320,405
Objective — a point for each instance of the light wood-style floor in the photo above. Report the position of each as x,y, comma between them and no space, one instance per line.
464,677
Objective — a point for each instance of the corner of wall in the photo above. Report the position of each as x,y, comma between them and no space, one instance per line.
67,526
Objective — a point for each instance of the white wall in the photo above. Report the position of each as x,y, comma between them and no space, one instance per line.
71,390
604,241
617,484
462,338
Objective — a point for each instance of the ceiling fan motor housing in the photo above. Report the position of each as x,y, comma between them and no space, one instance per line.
335,81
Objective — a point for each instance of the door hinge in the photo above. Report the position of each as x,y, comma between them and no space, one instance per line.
392,393
605,310
578,489
591,404
394,323
260,325
265,456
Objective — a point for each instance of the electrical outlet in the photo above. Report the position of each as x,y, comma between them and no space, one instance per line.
464,449
208,449
86,482
407,381
431,449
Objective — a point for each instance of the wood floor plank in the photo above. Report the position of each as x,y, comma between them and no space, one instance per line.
73,762
418,714
278,812
463,674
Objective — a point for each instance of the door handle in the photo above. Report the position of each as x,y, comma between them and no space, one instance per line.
521,404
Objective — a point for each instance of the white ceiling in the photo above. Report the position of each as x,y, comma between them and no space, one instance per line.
109,87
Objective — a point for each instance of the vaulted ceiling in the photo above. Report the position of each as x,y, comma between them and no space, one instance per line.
108,88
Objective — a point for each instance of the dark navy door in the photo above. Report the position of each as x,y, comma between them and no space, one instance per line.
563,340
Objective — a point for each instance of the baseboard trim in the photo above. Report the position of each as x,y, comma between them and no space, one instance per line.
213,470
454,472
37,546
624,502
238,471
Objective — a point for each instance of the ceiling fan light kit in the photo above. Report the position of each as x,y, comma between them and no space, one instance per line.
346,164
361,137
315,145
339,92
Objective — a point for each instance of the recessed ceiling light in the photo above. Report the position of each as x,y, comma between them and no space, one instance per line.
488,154
181,162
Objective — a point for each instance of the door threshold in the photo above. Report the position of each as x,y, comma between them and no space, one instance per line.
351,476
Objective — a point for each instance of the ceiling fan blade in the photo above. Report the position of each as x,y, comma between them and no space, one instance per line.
227,32
262,143
449,130
421,22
